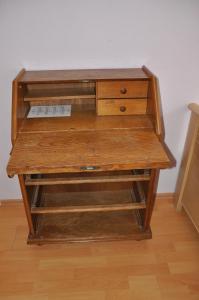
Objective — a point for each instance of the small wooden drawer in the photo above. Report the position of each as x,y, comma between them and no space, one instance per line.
121,107
122,89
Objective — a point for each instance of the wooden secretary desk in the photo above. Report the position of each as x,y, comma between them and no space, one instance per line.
91,175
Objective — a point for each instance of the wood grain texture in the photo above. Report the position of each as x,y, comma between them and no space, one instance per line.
164,268
19,108
88,144
87,121
122,89
77,103
111,226
98,194
81,75
154,107
121,107
82,180
103,150
186,159
87,208
60,93
26,202
151,196
190,200
187,187
100,197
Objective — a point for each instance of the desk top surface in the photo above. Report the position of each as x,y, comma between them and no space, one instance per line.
79,75
69,151
86,121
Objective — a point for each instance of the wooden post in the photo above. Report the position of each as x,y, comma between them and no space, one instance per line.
26,203
151,197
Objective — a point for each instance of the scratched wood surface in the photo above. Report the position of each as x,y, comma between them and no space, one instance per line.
164,268
121,107
87,121
70,151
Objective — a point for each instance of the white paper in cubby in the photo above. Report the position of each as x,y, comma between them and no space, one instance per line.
49,111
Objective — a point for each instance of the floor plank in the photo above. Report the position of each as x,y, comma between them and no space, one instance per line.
165,267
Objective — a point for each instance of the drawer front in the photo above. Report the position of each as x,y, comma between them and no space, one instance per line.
121,107
122,89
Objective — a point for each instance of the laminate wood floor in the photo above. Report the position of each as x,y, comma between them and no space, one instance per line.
166,267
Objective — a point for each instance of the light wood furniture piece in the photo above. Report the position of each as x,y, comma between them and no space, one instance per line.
93,175
187,187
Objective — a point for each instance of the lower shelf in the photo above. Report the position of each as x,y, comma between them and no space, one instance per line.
88,227
116,219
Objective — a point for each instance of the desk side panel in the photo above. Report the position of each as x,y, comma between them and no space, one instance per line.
154,107
19,107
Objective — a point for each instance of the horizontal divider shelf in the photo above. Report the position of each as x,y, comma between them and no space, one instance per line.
87,208
80,180
60,94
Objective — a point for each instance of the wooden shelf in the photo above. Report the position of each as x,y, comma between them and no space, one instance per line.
87,120
87,208
60,94
101,197
101,212
83,227
97,194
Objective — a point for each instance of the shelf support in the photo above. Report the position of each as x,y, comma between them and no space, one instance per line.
87,208
26,203
82,180
151,197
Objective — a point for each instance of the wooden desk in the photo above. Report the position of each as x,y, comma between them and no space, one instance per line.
93,175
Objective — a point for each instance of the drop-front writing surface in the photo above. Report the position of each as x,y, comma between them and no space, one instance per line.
71,151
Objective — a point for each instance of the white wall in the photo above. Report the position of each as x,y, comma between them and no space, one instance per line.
162,34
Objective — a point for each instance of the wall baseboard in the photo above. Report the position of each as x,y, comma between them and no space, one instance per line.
10,201
165,195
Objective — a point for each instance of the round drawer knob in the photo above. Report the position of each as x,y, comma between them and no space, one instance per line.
123,91
122,108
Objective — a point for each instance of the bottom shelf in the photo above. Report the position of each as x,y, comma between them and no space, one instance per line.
53,224
84,227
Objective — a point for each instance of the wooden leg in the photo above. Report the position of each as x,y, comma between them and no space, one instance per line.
151,197
26,204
